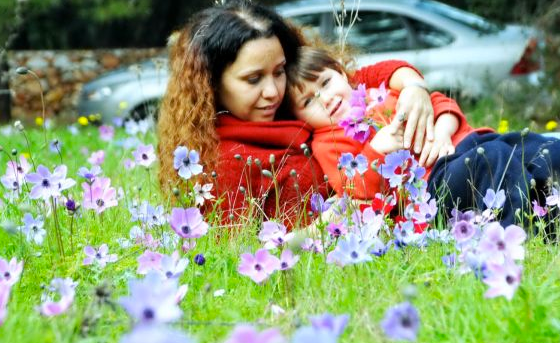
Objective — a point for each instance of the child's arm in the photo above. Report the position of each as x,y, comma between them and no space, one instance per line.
442,145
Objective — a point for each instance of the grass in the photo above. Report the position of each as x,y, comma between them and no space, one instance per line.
452,307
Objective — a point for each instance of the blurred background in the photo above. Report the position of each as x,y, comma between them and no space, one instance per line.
68,43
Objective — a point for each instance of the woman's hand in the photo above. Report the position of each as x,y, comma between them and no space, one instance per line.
415,107
388,139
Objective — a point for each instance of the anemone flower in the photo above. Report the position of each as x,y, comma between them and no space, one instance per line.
188,223
350,250
353,164
100,256
244,333
10,272
186,162
503,279
401,322
259,266
144,155
498,243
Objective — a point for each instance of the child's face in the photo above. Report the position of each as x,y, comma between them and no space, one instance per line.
322,102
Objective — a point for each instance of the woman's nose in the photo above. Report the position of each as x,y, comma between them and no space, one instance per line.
270,89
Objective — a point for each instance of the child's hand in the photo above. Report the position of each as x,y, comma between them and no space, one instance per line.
432,150
388,139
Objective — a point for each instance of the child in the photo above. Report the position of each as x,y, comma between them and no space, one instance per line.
475,159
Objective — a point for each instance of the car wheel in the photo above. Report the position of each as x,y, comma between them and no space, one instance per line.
148,109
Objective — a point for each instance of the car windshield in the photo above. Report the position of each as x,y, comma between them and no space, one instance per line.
462,17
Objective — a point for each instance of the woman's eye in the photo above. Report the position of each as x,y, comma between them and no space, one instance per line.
326,82
254,80
279,72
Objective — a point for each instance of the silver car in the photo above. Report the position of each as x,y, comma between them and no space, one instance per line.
456,51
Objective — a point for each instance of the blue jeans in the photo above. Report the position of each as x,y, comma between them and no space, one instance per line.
508,161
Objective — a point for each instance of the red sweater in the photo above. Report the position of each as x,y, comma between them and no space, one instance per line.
330,142
283,139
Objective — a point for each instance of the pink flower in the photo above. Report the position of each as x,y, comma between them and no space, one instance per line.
539,210
10,272
101,256
128,164
274,234
106,132
247,334
148,261
4,296
144,155
188,223
97,157
65,288
498,243
288,260
503,279
260,266
99,196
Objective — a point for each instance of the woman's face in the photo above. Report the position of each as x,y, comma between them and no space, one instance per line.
253,86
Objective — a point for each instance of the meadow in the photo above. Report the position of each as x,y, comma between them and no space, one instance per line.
106,257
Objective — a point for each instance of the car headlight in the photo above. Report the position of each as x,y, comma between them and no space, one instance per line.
99,94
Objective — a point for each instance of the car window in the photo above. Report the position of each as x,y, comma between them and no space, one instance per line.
311,24
428,36
377,32
459,16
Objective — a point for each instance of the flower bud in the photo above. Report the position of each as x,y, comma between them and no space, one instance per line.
242,189
237,157
199,259
545,151
307,152
267,173
257,162
303,146
22,70
249,160
480,150
176,191
467,161
293,173
14,152
533,183
525,132
231,217
271,158
18,125
214,174
326,178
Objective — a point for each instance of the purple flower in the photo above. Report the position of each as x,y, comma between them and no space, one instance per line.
33,229
47,185
14,178
337,229
309,244
378,247
354,123
90,174
129,164
457,216
144,155
106,132
186,162
401,322
248,334
318,204
396,167
173,266
152,300
449,260
260,266
494,200
10,272
426,212
463,231
350,250
199,259
55,146
335,324
310,334
100,256
188,223
154,334
288,260
65,290
498,243
351,164
554,198
147,214
97,157
4,297
274,234
503,279
538,210
99,196
149,261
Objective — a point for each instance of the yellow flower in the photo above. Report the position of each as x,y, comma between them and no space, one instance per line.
123,105
551,125
83,121
503,127
26,155
39,121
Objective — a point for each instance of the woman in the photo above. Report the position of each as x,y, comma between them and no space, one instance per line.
225,99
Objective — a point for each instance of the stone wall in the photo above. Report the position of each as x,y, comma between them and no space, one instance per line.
62,74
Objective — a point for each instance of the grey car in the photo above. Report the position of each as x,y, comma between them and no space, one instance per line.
455,50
